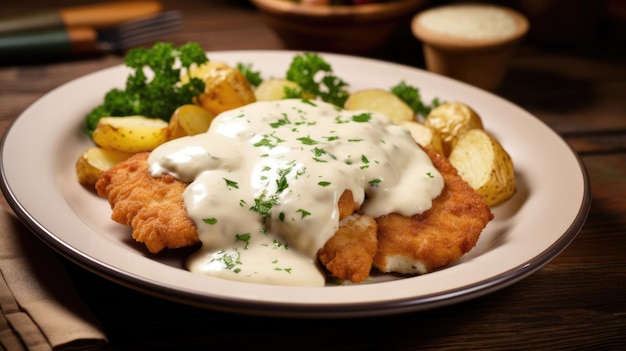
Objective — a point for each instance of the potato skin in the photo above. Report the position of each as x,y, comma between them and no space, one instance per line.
189,120
130,134
95,160
485,165
452,119
425,136
273,89
381,101
225,87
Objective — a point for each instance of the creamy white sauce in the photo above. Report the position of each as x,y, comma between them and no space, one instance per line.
469,21
266,178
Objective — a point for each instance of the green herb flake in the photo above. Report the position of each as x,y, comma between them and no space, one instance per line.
229,260
363,117
245,238
231,184
307,141
303,213
374,182
211,220
269,140
263,206
318,152
278,245
280,122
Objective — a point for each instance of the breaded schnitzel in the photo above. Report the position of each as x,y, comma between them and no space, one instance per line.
152,206
437,237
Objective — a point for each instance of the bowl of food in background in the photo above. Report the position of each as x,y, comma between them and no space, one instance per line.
470,42
343,26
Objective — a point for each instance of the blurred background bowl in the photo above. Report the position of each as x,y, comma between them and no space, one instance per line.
350,29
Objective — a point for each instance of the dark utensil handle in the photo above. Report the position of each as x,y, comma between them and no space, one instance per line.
47,45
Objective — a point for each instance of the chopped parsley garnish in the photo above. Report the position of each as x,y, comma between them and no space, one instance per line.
338,120
374,182
263,206
363,117
307,141
304,213
211,220
278,245
279,269
229,260
231,184
281,182
280,122
245,238
324,184
269,140
318,152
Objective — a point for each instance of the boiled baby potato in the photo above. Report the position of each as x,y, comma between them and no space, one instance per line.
484,164
382,101
425,136
189,120
130,134
94,161
452,119
273,89
225,87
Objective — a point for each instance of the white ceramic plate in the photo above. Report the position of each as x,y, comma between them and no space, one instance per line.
38,179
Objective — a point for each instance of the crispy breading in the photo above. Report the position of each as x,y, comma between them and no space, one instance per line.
346,204
152,206
348,254
437,237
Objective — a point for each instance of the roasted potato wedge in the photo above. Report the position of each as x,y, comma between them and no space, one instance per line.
94,161
130,134
484,164
189,120
225,87
273,89
452,119
382,101
425,136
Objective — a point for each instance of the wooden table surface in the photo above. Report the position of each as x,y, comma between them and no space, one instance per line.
577,301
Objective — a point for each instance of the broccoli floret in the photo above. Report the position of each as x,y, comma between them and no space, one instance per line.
315,77
411,96
159,96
